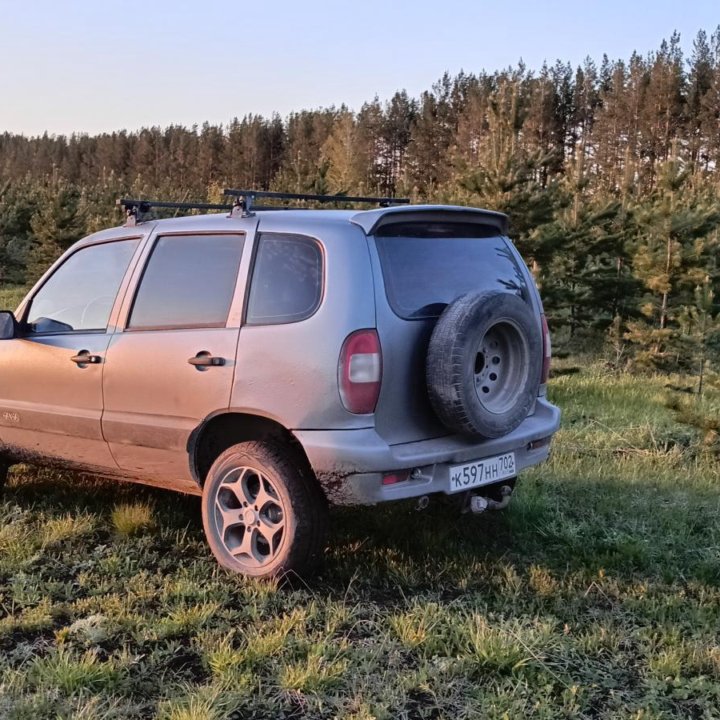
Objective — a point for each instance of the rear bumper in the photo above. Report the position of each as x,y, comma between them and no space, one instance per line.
350,463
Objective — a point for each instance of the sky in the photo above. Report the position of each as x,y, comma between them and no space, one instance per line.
97,66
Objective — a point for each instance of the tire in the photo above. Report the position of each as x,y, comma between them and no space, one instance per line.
264,514
484,363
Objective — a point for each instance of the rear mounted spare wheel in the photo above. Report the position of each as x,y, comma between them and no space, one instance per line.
484,363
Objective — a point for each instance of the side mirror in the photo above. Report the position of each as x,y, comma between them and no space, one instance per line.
8,325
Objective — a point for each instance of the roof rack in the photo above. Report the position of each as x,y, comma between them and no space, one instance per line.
245,199
135,209
244,203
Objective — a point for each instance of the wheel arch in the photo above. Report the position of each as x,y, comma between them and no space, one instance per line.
221,430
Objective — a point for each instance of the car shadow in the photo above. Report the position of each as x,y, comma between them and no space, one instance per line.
586,527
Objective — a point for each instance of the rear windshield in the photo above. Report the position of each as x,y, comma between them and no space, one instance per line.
428,265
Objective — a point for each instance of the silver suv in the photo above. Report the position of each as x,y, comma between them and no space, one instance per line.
275,362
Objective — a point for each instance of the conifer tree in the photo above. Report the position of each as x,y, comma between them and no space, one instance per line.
505,175
344,173
430,140
59,221
699,87
700,326
18,203
667,225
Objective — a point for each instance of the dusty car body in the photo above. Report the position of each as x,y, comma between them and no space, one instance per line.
149,350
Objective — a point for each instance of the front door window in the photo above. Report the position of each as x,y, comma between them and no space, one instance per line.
80,294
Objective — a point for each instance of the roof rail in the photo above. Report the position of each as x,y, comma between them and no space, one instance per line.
245,199
135,209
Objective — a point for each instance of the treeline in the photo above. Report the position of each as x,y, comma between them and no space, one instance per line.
610,173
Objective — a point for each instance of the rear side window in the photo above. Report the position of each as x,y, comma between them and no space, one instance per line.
189,281
428,265
287,281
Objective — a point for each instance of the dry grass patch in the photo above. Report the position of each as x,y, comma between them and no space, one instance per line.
132,518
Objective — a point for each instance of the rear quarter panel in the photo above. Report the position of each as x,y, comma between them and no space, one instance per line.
288,372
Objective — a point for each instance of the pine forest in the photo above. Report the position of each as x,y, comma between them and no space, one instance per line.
609,171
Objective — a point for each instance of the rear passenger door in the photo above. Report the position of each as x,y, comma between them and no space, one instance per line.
172,364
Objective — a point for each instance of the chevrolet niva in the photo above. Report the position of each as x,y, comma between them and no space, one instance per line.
277,361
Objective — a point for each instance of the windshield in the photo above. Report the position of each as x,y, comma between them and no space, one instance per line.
428,265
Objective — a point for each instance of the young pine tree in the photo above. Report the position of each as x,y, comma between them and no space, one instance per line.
18,203
58,222
668,226
700,325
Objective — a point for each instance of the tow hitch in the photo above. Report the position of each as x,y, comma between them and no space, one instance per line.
478,504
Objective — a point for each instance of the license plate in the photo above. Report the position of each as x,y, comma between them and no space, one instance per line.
482,472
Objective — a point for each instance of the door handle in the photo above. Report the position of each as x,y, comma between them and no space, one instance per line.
85,358
205,360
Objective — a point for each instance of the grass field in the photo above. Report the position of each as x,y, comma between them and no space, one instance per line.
10,296
597,594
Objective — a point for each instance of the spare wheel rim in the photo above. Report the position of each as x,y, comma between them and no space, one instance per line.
501,367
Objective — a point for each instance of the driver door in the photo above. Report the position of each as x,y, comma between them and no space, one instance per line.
51,374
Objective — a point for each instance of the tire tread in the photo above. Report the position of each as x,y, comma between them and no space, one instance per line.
446,359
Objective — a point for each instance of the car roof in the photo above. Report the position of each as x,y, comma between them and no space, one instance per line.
367,220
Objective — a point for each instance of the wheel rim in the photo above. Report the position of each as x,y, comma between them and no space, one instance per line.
250,517
501,367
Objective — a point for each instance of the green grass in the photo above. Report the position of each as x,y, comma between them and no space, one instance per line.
596,594
10,296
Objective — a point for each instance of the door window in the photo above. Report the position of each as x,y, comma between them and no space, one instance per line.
80,294
189,282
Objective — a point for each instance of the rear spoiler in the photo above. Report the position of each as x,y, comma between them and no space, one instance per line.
371,220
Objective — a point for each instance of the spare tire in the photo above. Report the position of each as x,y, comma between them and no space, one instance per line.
484,363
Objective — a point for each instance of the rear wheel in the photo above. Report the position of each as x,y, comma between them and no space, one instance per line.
263,512
4,470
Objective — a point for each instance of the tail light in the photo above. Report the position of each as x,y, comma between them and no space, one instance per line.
547,351
360,371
